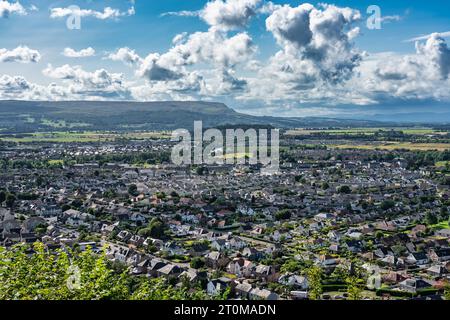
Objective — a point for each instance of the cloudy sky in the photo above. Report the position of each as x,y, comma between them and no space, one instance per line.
280,57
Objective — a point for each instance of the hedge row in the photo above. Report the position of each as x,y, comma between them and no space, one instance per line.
395,293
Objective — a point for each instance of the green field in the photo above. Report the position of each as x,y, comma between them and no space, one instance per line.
63,124
55,162
368,131
86,136
442,163
237,155
394,146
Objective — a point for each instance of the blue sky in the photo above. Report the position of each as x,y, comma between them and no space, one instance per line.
281,57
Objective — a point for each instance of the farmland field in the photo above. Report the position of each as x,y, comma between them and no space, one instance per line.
394,146
367,131
237,155
62,124
86,136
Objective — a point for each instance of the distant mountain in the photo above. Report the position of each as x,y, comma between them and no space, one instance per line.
426,112
414,117
32,116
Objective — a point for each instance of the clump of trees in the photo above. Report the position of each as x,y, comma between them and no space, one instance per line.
8,198
430,218
197,263
291,266
155,229
387,204
283,214
2,196
133,190
345,189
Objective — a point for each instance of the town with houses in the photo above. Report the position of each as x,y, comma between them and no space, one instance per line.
332,224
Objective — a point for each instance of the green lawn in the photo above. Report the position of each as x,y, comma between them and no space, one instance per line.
55,162
440,225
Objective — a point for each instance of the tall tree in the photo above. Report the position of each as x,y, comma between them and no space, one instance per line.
2,197
354,288
314,276
447,292
10,200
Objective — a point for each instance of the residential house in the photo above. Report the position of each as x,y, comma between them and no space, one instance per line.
216,260
440,255
218,286
169,271
417,258
413,285
262,272
262,294
294,281
243,290
241,267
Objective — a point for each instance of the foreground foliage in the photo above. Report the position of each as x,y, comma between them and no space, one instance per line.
32,273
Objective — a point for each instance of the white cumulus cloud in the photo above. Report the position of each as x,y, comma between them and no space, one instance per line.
316,47
21,54
425,37
224,15
7,8
107,13
125,55
99,83
83,53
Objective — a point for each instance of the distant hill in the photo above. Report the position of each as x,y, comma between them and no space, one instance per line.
32,116
414,117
